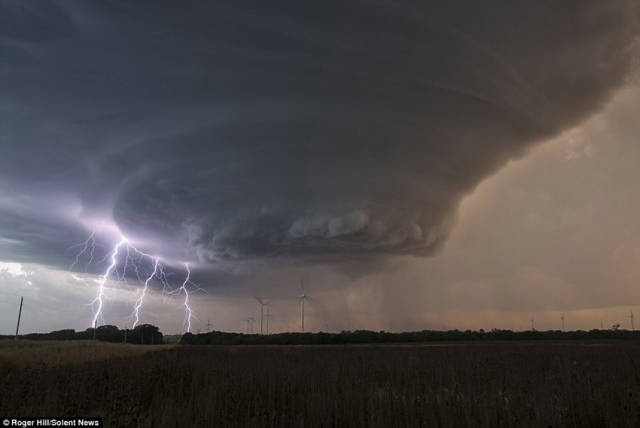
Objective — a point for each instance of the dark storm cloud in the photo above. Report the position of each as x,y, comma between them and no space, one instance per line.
248,129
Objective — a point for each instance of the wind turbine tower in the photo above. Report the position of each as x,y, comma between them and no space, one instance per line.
252,321
533,328
267,316
302,297
631,318
562,319
262,305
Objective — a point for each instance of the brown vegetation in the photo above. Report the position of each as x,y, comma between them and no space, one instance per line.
465,385
47,353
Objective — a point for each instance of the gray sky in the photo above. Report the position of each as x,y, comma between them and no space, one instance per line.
419,166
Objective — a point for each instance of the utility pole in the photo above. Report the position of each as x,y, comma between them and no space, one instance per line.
302,303
562,318
19,315
631,317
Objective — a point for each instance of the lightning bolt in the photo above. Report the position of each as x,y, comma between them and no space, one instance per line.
188,312
123,277
103,280
163,279
132,258
88,246
138,304
187,309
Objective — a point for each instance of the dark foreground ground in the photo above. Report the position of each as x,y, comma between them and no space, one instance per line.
460,385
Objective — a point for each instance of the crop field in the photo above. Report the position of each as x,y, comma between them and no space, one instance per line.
17,354
523,384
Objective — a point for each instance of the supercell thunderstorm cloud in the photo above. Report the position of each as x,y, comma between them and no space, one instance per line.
333,132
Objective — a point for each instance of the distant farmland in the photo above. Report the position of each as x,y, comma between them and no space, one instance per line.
47,353
516,384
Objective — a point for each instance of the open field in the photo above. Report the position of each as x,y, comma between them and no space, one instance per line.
16,354
463,385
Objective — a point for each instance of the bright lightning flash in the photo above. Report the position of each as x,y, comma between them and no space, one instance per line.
138,304
105,276
88,246
158,272
187,309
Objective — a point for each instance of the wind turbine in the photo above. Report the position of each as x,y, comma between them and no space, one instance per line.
562,319
533,328
251,321
262,305
631,318
267,316
302,297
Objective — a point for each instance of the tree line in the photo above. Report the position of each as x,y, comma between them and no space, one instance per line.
148,334
366,336
144,334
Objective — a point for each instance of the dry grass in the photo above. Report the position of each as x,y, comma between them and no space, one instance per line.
477,385
16,354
